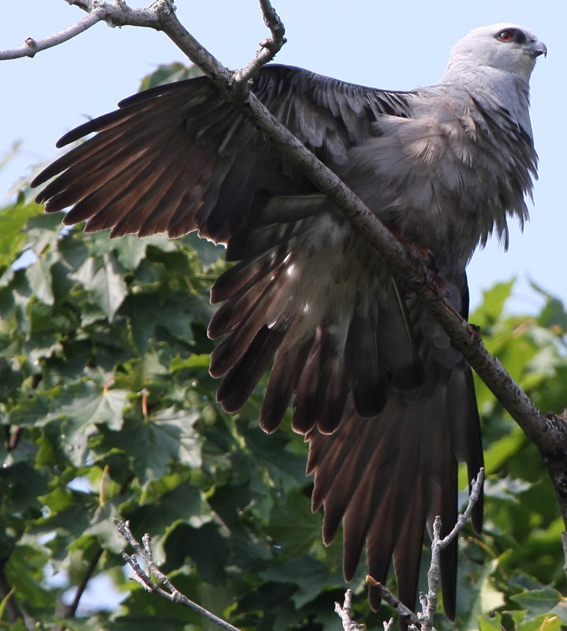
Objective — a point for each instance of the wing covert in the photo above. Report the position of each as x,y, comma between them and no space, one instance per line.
178,157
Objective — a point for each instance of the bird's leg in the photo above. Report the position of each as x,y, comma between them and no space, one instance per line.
425,259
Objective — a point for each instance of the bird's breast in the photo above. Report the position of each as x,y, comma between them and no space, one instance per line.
436,178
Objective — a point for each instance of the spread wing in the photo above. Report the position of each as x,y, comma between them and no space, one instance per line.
387,406
178,158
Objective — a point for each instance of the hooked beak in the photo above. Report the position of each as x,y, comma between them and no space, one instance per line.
537,48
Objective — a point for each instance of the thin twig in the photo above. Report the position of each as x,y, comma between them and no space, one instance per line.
344,614
268,47
144,576
71,610
7,593
462,518
429,601
394,602
32,46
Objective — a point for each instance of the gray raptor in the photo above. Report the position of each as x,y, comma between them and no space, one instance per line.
386,403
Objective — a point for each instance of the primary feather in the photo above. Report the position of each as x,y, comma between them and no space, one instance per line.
386,403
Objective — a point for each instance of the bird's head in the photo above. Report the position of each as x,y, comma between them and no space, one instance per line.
505,47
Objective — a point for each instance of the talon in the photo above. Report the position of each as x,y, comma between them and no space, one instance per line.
475,330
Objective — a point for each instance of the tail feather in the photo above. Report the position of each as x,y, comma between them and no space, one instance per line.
388,476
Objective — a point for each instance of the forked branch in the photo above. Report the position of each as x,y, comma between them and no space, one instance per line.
163,587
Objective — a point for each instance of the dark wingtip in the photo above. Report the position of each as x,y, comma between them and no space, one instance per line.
79,132
374,598
41,178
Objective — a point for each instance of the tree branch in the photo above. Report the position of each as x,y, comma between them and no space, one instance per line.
429,601
386,595
268,47
32,46
344,614
71,610
144,577
424,620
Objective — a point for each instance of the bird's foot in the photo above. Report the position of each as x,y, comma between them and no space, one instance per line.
424,259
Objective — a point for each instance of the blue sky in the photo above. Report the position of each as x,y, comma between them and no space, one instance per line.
373,42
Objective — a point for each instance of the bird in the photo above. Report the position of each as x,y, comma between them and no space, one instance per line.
385,402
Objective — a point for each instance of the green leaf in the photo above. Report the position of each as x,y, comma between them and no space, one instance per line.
309,575
165,502
25,573
21,484
153,444
554,313
492,622
205,546
293,526
492,305
486,597
207,251
39,277
537,602
541,623
12,235
148,312
168,73
104,281
28,411
130,251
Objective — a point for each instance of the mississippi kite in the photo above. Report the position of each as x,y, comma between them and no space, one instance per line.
386,403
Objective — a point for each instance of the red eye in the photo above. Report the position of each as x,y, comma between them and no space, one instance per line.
506,36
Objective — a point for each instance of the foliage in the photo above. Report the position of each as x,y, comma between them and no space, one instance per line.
108,411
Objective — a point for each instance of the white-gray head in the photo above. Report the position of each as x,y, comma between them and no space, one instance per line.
506,47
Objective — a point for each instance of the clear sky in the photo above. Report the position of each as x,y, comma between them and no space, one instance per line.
384,44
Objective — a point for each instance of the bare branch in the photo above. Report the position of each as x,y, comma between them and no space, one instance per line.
462,518
429,601
32,46
71,610
389,626
344,614
268,47
394,602
144,576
